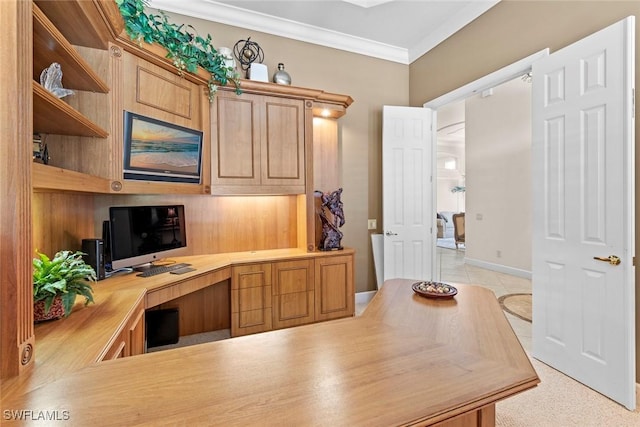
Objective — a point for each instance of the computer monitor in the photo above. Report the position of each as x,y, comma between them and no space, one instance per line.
140,235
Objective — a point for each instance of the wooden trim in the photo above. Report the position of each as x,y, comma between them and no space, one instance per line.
156,54
175,290
57,179
310,182
16,292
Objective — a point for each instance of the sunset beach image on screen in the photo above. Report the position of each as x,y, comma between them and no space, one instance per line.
157,150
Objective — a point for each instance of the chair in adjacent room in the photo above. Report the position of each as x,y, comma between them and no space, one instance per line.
458,228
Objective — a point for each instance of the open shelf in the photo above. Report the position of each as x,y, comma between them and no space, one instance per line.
51,115
49,45
52,178
84,23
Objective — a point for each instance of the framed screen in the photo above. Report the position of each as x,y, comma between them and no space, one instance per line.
159,151
144,234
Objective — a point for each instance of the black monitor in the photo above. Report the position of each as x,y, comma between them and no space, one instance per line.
140,235
155,150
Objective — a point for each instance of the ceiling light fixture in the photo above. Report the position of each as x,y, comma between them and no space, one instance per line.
367,3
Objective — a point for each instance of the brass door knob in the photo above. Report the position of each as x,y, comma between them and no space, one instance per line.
612,259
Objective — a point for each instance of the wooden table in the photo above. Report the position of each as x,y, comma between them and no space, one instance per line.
407,360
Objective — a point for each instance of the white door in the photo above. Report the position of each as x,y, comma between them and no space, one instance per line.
583,170
407,192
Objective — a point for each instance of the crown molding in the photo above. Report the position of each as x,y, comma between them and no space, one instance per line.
231,15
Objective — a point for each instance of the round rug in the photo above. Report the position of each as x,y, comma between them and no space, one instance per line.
517,304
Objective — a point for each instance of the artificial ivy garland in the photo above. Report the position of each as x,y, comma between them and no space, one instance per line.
186,50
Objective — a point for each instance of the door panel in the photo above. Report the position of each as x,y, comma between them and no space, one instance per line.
583,308
408,210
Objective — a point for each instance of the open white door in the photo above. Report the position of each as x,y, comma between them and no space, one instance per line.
583,174
407,192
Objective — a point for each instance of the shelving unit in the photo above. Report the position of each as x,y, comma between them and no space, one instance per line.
54,116
49,45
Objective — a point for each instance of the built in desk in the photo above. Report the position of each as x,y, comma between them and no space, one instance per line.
407,360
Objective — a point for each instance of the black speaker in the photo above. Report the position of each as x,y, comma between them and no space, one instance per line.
94,250
106,239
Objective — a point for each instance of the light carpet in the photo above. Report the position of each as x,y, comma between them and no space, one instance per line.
559,401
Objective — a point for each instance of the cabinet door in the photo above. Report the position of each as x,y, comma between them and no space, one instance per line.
258,145
250,299
235,141
282,143
334,287
293,293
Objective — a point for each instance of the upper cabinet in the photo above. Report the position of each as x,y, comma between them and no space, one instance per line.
258,144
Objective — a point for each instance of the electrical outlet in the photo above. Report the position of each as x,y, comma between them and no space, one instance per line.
372,224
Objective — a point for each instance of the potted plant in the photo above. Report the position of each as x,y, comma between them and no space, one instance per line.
57,282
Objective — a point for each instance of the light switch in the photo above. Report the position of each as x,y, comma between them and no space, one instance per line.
372,224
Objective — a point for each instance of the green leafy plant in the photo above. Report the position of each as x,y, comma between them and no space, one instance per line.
66,275
186,49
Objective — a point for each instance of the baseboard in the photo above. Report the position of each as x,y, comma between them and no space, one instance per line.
499,268
364,297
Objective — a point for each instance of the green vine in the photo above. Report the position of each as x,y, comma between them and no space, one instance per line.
187,50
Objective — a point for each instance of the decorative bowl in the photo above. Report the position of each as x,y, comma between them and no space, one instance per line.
430,289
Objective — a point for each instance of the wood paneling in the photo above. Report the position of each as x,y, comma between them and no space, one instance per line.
61,221
326,170
154,92
226,223
163,93
203,311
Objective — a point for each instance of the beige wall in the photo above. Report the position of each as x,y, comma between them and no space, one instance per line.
372,83
498,198
510,31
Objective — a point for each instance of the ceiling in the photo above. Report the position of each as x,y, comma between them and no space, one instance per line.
394,30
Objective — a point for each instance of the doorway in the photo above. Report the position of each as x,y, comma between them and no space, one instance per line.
497,180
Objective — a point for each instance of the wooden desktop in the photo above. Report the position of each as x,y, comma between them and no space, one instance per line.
407,360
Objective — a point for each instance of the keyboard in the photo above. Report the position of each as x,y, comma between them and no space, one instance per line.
162,269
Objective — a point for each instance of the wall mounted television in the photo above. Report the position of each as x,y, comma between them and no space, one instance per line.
140,235
159,151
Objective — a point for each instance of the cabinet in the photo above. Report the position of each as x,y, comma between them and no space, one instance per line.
258,144
293,297
291,292
130,340
251,299
334,291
